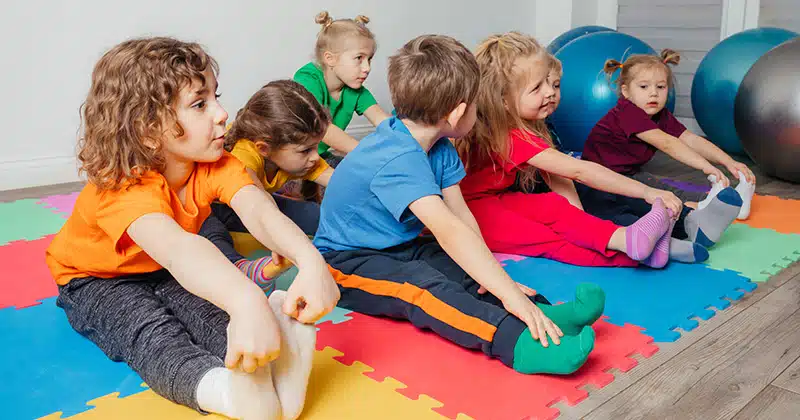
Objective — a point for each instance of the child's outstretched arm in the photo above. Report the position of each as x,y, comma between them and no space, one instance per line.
601,178
679,151
313,292
254,335
454,200
470,252
324,177
564,187
712,153
375,114
338,139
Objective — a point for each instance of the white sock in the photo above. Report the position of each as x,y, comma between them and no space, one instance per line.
290,371
745,190
716,187
239,395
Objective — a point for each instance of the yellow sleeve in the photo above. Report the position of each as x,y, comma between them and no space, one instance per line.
246,152
321,167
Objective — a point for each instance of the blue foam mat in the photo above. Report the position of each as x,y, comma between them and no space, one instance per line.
48,367
657,300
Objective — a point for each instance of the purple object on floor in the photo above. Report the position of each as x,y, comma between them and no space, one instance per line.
686,186
62,204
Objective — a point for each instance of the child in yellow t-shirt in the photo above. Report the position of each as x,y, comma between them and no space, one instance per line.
276,136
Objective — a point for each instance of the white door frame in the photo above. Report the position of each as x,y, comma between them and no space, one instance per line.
738,15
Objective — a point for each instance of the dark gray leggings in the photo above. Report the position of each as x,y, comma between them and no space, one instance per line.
169,336
651,180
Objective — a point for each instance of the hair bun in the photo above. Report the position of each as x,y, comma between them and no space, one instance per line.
323,18
361,19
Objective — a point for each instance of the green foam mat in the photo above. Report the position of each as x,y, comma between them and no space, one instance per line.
26,220
755,253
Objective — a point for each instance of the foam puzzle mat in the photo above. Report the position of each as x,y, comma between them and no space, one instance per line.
367,367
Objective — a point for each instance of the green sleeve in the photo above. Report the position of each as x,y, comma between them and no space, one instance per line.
365,100
312,85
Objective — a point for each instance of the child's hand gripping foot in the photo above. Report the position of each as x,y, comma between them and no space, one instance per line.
707,225
291,370
531,357
716,187
746,191
584,310
641,237
245,390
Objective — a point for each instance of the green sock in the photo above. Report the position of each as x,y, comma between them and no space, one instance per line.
531,357
571,317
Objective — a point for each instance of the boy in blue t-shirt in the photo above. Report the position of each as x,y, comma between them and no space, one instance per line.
405,177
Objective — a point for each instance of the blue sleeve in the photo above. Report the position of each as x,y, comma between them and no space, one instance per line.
404,180
446,157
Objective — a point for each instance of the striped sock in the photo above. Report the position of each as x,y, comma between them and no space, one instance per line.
642,236
660,255
254,270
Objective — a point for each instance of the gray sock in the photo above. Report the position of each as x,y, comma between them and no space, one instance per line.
687,251
705,226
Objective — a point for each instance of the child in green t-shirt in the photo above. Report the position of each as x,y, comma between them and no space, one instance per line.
344,52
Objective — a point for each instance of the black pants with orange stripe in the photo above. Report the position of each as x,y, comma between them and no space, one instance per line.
419,282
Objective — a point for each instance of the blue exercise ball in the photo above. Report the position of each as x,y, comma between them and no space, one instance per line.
586,93
573,34
718,77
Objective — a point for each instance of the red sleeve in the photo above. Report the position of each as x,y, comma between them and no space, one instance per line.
523,147
633,120
670,125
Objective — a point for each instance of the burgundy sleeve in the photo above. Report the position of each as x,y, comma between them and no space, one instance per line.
633,120
670,125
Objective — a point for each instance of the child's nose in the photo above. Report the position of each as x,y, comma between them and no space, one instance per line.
222,115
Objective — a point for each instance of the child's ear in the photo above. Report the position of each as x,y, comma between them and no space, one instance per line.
263,148
455,115
625,91
329,59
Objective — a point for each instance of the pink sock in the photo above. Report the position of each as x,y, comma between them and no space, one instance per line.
641,237
660,255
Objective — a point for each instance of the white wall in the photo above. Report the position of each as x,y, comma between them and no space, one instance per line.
49,49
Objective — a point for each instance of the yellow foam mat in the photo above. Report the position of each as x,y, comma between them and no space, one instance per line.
335,391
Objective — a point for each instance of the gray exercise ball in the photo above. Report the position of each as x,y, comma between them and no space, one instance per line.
767,111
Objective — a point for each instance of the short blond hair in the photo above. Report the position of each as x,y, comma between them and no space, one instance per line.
430,76
135,86
334,32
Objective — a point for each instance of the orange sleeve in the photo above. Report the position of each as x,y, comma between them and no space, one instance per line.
116,210
227,176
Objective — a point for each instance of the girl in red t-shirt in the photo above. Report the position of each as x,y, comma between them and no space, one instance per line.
510,138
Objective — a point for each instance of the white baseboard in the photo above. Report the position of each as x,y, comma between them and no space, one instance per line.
360,131
37,172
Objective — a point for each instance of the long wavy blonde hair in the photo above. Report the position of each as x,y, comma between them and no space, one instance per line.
496,106
130,105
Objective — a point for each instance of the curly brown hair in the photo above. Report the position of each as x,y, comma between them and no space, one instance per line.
135,86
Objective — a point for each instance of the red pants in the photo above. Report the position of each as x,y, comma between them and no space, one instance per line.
546,225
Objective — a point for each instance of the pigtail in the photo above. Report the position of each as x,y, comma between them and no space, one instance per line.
324,19
669,56
611,66
361,19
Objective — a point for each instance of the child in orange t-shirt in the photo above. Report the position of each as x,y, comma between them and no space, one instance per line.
136,279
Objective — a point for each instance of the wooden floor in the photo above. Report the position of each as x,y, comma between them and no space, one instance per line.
744,363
